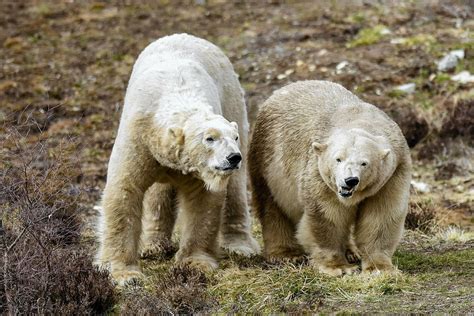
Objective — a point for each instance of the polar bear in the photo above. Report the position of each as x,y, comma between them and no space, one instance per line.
180,143
325,167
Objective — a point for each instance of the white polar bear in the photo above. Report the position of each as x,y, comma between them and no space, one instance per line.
330,176
181,138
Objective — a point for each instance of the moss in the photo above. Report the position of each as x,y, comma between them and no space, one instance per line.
418,40
368,36
442,78
458,261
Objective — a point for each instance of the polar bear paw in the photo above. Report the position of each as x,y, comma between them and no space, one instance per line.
244,245
201,261
337,270
353,256
161,249
378,268
128,276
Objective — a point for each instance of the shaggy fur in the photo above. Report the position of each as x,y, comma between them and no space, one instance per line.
184,113
309,136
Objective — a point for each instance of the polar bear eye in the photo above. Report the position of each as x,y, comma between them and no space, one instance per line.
236,138
363,164
338,160
209,139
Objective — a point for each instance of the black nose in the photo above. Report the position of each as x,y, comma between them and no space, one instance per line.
234,159
351,181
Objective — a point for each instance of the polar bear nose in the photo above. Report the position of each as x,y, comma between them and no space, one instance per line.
351,181
234,158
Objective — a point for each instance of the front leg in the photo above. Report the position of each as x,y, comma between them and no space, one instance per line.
236,224
128,178
200,212
323,233
159,216
380,224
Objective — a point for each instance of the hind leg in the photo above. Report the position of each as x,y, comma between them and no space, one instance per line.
279,234
159,216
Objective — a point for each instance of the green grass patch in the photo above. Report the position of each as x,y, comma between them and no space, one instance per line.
368,36
458,261
290,287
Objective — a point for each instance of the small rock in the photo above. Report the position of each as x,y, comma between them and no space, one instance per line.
420,186
450,60
460,188
463,77
385,31
289,72
322,52
406,88
324,69
342,64
299,63
398,40
281,76
312,68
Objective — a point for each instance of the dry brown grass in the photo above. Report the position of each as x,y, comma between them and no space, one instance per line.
45,269
180,290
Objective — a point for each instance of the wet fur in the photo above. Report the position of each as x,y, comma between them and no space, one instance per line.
178,83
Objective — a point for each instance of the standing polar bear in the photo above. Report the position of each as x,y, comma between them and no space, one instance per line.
181,139
325,165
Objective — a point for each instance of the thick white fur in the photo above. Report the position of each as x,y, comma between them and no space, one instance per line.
301,132
181,88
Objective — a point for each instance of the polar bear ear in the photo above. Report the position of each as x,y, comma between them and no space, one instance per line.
235,125
385,153
176,134
319,148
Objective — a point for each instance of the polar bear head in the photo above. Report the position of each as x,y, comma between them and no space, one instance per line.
209,147
354,164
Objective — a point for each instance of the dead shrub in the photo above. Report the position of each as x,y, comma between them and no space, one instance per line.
182,290
455,135
45,269
460,121
421,216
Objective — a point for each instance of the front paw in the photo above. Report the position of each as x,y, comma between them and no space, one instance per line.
158,250
127,275
333,263
377,267
353,256
201,261
244,245
377,263
337,270
285,254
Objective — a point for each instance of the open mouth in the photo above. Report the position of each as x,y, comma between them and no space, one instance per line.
228,168
346,192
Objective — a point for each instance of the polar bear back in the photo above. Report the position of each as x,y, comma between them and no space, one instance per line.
182,61
318,107
174,49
